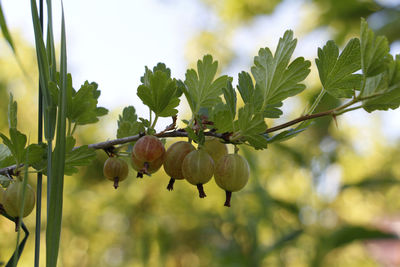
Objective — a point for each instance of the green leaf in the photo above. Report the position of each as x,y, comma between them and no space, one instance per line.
159,92
246,88
16,144
83,104
201,90
223,115
336,72
230,99
374,51
254,97
81,156
54,218
386,87
128,124
251,126
275,77
4,152
12,112
273,111
288,134
222,118
4,29
36,153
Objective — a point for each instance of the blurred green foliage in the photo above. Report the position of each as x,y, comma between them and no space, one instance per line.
292,213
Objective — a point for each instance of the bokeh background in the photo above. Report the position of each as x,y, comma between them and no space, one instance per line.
315,200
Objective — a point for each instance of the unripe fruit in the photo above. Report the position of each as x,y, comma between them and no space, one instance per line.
148,148
231,174
215,148
148,168
115,169
198,168
174,157
12,199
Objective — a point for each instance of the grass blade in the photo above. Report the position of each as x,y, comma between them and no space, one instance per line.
53,230
16,255
4,30
44,75
51,54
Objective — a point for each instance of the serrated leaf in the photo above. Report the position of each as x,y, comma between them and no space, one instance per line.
191,134
12,112
4,152
386,86
230,99
4,179
246,87
222,118
275,77
251,126
374,51
16,144
36,153
273,111
336,71
287,134
249,122
82,108
159,92
201,89
258,141
7,161
128,124
81,156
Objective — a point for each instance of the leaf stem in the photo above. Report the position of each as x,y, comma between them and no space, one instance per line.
154,122
316,101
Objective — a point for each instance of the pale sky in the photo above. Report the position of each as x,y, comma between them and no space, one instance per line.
110,42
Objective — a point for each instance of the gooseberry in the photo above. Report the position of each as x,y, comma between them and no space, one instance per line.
148,148
198,168
12,199
116,170
215,148
143,167
231,174
174,157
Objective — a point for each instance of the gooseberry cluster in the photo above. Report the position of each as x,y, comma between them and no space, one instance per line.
183,161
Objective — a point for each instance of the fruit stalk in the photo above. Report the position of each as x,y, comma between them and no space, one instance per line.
170,185
228,198
200,188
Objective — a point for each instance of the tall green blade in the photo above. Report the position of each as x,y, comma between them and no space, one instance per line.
51,54
44,75
53,230
4,30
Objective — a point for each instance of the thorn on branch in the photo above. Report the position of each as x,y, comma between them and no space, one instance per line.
334,118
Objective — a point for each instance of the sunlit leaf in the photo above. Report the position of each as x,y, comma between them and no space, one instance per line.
336,71
275,77
201,89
